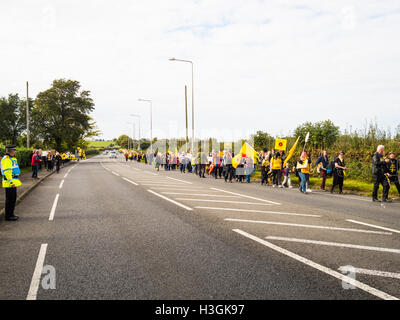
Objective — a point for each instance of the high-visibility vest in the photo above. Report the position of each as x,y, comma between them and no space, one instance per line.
10,172
276,163
306,169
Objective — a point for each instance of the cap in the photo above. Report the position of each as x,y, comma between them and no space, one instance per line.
11,147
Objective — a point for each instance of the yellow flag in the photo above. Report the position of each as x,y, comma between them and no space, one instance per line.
280,144
289,156
236,160
245,151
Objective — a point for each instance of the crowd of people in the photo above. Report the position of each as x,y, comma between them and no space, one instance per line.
45,159
275,170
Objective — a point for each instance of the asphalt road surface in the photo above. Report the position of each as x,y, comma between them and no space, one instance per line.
107,229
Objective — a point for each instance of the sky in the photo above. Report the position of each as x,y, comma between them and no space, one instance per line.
258,65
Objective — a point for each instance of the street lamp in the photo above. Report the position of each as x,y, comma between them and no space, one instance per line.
191,62
138,116
133,134
151,122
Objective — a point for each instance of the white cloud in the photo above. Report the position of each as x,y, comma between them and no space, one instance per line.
269,65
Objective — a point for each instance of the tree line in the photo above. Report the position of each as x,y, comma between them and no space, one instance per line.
59,117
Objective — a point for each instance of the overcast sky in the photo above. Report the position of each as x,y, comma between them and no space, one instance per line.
258,65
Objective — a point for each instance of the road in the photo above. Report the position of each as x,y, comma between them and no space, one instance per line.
108,229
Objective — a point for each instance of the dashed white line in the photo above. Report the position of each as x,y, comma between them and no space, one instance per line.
225,201
373,225
65,175
180,180
371,272
33,288
61,184
170,200
200,194
114,173
334,244
260,211
342,277
308,226
246,196
130,181
53,208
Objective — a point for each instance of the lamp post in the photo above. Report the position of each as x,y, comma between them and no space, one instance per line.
138,116
191,62
151,122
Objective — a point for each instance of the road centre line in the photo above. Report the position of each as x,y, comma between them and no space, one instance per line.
308,226
37,273
61,184
65,175
260,211
113,172
53,208
180,180
225,201
246,196
130,181
342,277
370,272
343,197
373,225
170,200
163,184
335,244
200,194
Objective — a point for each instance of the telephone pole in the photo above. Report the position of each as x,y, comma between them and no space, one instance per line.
27,117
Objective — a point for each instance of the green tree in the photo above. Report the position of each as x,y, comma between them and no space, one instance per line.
323,134
262,140
61,115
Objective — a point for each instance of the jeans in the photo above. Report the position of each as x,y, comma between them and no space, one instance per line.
35,171
302,181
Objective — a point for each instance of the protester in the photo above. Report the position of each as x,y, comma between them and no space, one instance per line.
339,172
322,163
287,177
35,164
58,161
303,167
393,170
380,175
276,167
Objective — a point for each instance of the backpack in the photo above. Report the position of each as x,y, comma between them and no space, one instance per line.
330,168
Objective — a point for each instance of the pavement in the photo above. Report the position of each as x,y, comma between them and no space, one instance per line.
109,229
28,184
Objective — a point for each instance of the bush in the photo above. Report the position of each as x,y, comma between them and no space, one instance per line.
23,156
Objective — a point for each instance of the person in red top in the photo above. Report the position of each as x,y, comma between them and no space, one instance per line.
35,164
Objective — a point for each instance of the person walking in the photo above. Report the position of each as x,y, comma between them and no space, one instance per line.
322,165
303,168
380,175
339,172
228,172
276,166
58,160
35,164
10,172
393,169
286,179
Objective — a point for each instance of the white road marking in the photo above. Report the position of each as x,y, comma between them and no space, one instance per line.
130,181
170,200
61,184
342,277
65,175
33,288
308,226
180,180
154,174
201,194
335,244
178,188
53,208
243,195
113,172
343,197
373,225
226,201
371,272
260,211
163,184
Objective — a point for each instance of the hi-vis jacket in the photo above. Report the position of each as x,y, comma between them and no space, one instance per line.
276,163
10,172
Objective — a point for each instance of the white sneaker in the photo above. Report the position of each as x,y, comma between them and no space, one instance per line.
273,186
280,186
290,187
309,190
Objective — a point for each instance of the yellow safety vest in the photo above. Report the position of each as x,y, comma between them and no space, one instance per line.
276,163
307,169
10,171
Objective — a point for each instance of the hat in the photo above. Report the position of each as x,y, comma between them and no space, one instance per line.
11,147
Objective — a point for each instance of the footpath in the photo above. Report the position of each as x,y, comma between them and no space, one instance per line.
28,184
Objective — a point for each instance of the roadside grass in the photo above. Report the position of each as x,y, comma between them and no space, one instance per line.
350,186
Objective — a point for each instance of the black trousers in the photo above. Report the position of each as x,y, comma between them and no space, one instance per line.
380,179
276,174
395,181
264,176
337,180
11,198
228,174
202,170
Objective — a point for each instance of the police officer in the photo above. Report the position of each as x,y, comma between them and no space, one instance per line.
10,172
380,175
393,168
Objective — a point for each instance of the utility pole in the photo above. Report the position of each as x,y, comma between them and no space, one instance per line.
186,117
27,117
